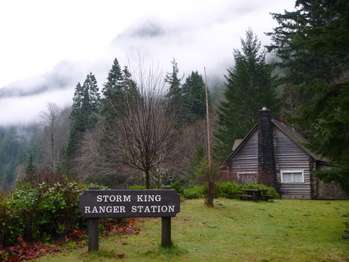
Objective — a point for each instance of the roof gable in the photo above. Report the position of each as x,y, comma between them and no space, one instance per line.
297,138
291,133
241,143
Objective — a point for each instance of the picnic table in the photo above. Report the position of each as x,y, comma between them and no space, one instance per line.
255,194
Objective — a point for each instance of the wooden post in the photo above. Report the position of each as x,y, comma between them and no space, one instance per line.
166,232
92,227
210,193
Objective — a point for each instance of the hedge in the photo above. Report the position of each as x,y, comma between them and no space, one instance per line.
227,190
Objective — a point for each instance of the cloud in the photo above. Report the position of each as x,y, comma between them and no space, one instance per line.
196,33
27,109
60,77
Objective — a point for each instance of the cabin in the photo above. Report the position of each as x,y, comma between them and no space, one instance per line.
275,154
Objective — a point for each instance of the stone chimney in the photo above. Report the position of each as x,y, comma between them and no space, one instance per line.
266,160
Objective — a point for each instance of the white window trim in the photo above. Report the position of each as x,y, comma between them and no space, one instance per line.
246,172
282,171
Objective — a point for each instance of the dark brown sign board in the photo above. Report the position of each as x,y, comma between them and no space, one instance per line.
123,203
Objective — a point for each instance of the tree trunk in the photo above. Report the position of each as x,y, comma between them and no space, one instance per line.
210,194
147,179
28,228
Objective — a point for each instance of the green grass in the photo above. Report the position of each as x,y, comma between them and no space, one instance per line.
284,230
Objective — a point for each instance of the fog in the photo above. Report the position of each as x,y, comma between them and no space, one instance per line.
46,50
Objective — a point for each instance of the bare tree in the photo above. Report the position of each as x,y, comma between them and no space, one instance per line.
50,121
55,123
146,125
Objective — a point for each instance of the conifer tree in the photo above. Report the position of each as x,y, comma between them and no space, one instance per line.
193,93
311,42
91,101
249,87
174,91
172,79
85,109
129,86
113,91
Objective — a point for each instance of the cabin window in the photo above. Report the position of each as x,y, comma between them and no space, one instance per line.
292,176
247,177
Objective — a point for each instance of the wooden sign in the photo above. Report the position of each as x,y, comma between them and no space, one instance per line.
129,203
95,204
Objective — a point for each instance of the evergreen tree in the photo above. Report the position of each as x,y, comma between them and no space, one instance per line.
312,44
90,106
312,41
113,92
174,94
172,79
249,87
193,95
85,109
119,91
129,86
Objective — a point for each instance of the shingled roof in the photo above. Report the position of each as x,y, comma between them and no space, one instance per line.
290,132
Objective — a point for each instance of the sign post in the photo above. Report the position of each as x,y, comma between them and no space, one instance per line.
92,228
166,232
95,204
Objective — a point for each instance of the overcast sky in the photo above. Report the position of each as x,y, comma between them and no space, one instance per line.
46,47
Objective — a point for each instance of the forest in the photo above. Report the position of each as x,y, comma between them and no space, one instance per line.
97,139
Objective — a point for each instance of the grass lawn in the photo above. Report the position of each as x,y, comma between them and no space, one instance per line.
284,230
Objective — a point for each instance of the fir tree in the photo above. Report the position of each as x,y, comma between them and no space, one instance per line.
85,109
172,79
91,101
312,41
193,93
114,80
312,44
174,94
129,86
113,92
249,87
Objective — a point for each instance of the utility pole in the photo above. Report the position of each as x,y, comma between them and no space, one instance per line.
210,193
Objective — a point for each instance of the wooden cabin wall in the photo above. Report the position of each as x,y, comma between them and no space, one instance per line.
289,156
247,159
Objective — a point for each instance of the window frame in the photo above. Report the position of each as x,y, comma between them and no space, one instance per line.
282,171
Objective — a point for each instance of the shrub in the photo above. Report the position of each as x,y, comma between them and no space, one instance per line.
269,190
20,212
228,190
177,186
42,212
231,190
194,192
